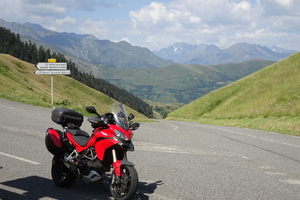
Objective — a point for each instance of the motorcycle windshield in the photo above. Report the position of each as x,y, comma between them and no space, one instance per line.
120,115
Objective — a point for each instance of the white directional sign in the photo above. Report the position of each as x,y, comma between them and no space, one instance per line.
49,65
53,68
64,72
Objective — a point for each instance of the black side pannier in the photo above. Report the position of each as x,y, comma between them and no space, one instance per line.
67,117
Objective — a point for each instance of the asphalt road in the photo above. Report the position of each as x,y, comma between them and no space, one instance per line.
174,160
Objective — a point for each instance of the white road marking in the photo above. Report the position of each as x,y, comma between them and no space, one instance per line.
270,173
292,182
292,145
268,140
253,136
10,107
176,127
145,146
248,135
18,158
13,189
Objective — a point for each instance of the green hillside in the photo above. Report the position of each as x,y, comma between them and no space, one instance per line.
268,99
19,83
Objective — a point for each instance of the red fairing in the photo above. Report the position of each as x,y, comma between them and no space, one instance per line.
101,132
102,145
55,137
105,142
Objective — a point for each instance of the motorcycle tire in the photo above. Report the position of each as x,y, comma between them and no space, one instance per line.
127,187
61,175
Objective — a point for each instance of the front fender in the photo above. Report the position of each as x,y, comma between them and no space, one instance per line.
117,166
126,162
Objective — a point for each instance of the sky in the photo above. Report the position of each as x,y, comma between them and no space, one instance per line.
159,24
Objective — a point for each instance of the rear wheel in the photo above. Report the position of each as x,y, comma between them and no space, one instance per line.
61,175
126,187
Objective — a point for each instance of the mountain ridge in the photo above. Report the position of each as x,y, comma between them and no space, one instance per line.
210,54
123,55
89,48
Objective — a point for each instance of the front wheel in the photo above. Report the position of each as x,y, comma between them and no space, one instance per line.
61,175
125,188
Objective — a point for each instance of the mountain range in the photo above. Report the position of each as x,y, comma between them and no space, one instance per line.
89,48
205,54
123,55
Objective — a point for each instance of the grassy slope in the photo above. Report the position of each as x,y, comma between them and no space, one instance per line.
19,83
268,99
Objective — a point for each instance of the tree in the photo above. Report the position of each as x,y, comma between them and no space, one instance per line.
41,54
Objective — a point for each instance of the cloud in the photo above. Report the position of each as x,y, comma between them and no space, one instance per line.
125,39
162,23
66,4
157,15
97,28
285,3
280,8
65,21
191,20
222,22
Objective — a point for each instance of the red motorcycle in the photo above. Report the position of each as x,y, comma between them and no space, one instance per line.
77,155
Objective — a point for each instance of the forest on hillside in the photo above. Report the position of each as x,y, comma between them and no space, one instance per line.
11,44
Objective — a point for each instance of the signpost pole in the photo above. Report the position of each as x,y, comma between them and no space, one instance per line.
52,90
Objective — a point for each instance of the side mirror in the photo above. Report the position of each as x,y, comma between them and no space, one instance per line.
134,126
130,116
91,109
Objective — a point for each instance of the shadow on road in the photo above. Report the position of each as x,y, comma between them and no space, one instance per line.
34,188
145,189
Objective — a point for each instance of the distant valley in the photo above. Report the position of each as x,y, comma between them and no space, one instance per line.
178,83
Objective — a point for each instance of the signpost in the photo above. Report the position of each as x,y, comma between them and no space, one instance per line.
51,65
53,68
65,72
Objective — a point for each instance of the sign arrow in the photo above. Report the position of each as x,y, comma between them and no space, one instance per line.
63,72
51,65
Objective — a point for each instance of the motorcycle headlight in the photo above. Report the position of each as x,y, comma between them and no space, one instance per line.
120,134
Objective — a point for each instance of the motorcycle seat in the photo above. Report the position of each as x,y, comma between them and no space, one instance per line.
80,136
78,132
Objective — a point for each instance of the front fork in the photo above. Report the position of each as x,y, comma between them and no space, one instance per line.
116,164
117,168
